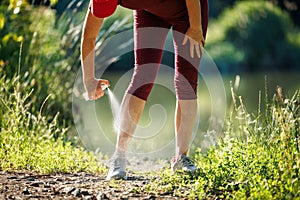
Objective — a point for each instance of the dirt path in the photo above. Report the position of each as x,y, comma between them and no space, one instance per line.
72,186
19,185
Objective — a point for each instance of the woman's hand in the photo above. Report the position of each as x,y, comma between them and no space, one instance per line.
93,88
197,41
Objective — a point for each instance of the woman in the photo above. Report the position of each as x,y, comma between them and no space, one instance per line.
188,20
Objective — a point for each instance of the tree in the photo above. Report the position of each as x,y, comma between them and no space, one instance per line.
292,7
254,35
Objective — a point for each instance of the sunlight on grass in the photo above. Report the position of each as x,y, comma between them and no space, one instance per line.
258,157
28,141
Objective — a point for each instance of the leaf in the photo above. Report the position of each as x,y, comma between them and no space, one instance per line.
20,38
6,38
2,20
53,2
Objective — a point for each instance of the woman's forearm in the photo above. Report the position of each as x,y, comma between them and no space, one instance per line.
194,12
90,32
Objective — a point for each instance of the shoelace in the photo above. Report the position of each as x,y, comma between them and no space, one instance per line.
187,161
118,163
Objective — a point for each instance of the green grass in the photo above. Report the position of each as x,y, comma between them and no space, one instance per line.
29,141
258,157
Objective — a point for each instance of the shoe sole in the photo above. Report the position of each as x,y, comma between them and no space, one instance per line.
120,176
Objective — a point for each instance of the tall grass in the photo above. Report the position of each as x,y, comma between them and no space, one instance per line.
29,141
258,157
36,82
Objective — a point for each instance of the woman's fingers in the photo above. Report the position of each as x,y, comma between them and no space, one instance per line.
194,46
192,49
99,92
94,88
196,39
197,47
103,81
186,37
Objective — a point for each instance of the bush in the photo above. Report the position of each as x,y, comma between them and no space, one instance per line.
13,32
30,48
254,35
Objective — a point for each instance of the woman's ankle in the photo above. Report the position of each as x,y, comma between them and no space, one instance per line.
119,153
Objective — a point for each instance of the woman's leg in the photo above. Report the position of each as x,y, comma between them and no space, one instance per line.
185,81
131,111
185,116
186,76
149,42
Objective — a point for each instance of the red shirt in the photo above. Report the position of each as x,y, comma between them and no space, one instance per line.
165,8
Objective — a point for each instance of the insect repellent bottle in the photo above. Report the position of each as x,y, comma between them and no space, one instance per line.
104,87
85,95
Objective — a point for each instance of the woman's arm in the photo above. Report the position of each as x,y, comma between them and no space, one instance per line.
194,33
90,32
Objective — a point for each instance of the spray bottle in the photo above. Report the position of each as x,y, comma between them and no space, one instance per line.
85,95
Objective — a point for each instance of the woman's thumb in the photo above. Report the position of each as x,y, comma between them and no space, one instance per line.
102,81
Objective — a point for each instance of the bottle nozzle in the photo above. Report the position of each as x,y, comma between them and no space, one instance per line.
104,86
85,95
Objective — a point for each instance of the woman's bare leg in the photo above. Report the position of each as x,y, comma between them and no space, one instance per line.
185,116
131,110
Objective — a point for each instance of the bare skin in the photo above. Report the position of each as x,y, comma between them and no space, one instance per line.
132,106
91,29
131,111
195,33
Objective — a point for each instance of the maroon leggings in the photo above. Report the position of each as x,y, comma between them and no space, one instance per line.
150,32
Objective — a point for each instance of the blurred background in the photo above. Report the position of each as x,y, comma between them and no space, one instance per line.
255,44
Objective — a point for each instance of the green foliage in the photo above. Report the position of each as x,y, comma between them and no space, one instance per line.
253,34
36,89
258,157
69,25
29,35
13,20
28,141
48,48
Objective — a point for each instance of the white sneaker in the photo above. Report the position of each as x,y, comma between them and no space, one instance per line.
185,164
117,168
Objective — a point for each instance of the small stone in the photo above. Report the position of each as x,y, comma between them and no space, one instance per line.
101,196
30,179
59,179
36,184
90,197
55,192
89,175
76,193
47,186
151,197
68,190
52,182
85,192
25,191
12,177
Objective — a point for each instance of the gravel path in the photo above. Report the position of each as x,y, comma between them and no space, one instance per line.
72,186
20,185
